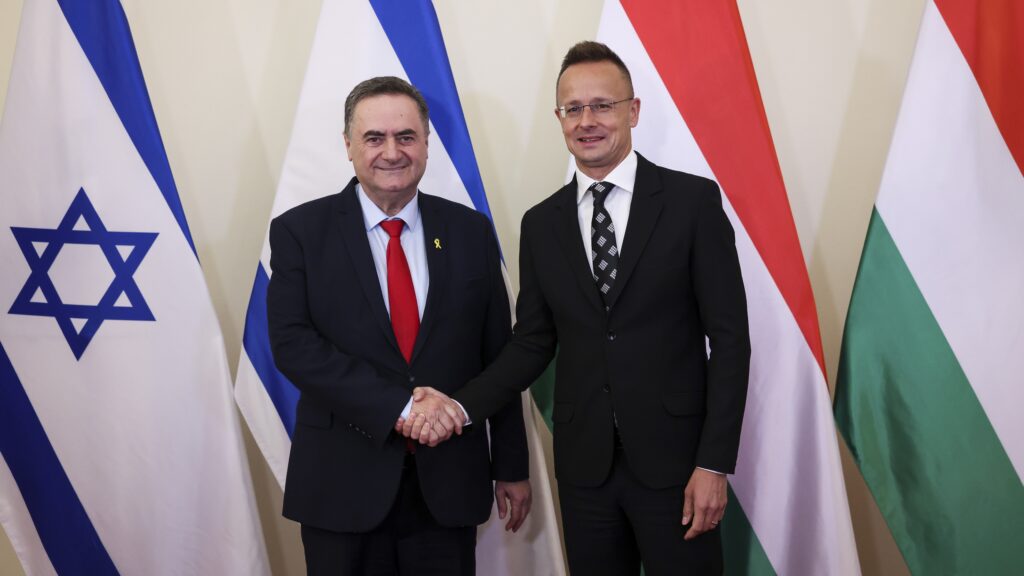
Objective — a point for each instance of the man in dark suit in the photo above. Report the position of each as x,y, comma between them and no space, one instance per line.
626,270
376,290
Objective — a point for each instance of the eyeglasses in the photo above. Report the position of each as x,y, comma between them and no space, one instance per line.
598,108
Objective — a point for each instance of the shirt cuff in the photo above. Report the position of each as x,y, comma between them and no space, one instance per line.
407,409
702,468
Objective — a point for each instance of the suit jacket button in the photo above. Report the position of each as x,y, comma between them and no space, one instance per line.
412,378
611,335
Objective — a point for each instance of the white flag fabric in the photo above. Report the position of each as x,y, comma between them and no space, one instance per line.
122,451
702,114
356,41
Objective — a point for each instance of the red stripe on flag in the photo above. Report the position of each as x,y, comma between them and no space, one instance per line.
700,52
990,34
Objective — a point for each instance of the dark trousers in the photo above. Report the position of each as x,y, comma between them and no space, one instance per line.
610,528
408,543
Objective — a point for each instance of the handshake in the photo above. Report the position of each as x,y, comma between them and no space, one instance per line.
434,417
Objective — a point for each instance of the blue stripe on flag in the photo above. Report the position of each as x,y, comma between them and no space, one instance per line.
415,35
67,534
256,341
102,30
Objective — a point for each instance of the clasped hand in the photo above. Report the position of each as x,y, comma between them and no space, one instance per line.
433,419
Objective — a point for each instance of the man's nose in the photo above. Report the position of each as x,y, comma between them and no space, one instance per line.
587,116
390,151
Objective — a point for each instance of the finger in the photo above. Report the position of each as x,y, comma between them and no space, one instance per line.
408,425
499,497
433,439
419,393
445,420
458,418
438,435
426,425
399,424
699,526
687,507
417,426
521,512
513,515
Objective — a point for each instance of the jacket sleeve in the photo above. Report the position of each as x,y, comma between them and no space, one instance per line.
530,351
722,304
510,458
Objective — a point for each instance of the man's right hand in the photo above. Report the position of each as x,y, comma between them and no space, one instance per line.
433,419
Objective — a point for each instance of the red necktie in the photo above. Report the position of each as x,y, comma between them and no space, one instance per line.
405,314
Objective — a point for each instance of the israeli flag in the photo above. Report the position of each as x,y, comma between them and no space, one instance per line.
356,41
121,448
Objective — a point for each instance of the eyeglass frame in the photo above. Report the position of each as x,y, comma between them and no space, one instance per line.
564,111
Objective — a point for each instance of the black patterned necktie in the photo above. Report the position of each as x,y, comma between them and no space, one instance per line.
602,240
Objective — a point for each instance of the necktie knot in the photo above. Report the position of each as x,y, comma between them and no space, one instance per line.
393,227
600,191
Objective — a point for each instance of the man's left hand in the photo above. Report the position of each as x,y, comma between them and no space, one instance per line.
704,501
519,496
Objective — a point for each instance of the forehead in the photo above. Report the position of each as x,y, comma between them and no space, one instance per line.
589,80
387,112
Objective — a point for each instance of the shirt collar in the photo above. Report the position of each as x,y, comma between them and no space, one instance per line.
373,216
622,176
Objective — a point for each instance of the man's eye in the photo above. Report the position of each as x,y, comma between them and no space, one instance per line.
602,107
574,110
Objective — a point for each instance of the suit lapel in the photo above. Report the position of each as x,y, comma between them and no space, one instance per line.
571,242
353,232
643,215
435,239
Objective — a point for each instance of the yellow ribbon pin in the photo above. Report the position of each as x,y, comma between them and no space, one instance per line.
437,243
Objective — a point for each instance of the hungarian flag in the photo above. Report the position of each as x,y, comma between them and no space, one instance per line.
121,448
931,379
357,40
701,113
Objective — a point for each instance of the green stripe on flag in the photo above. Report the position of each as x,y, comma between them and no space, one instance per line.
744,555
929,454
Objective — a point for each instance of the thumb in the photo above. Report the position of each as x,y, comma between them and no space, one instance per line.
687,507
419,393
502,504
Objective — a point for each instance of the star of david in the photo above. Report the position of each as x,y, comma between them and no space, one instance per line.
124,252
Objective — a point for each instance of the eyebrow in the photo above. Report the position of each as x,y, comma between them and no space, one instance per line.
406,132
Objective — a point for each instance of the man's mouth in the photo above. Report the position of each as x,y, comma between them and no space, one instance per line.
589,139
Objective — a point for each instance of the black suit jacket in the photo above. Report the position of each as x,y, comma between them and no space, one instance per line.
643,358
331,336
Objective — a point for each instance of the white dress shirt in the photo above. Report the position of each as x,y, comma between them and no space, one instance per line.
413,244
617,203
